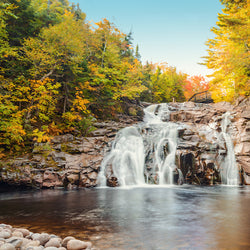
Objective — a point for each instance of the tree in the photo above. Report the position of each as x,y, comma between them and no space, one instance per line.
195,84
6,10
137,53
228,53
167,84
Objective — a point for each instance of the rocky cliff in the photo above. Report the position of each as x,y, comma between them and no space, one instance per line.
69,161
66,161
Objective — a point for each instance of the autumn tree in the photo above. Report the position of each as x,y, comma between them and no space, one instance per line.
228,53
59,73
112,67
195,84
167,84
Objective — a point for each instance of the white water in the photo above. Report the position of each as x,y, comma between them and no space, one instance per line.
127,156
146,153
230,170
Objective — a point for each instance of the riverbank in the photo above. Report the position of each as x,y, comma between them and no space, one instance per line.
12,238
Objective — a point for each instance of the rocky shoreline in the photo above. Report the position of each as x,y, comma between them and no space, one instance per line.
12,238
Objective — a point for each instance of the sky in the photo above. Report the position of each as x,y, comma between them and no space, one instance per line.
172,31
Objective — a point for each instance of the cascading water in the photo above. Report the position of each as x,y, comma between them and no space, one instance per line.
160,151
126,158
126,161
230,171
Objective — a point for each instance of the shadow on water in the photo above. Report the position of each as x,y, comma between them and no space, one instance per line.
186,217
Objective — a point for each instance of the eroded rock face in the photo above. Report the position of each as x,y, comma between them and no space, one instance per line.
202,153
66,161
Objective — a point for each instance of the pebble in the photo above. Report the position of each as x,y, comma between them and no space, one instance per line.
35,248
5,234
66,240
44,238
78,245
24,231
17,234
25,242
22,239
7,246
33,243
15,241
54,242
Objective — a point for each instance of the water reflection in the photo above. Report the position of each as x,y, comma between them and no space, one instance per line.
185,217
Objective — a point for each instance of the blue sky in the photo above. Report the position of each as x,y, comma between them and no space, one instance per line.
172,31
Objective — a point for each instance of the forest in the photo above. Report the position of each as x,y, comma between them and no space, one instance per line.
59,73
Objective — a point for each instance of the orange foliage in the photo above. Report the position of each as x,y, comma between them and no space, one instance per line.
195,84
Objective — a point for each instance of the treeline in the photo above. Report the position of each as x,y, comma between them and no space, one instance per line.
228,53
58,72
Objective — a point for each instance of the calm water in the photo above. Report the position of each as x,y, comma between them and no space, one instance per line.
179,217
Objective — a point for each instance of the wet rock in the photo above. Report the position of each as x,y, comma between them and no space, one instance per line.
112,181
93,176
73,178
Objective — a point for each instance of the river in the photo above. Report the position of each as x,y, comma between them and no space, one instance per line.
150,217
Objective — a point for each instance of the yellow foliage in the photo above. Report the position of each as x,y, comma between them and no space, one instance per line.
40,136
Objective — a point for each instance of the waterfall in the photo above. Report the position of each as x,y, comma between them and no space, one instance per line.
230,170
126,160
146,153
